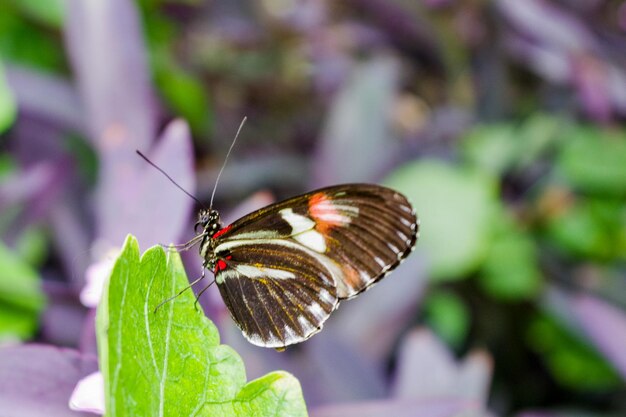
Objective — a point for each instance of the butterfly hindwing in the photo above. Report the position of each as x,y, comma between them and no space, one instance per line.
285,267
278,293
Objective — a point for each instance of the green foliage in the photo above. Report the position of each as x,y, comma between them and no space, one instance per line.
8,109
187,98
593,160
448,316
8,165
170,362
22,41
49,12
511,269
593,228
572,362
502,147
21,297
32,246
455,206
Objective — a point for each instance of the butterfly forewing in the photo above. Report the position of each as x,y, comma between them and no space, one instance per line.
284,268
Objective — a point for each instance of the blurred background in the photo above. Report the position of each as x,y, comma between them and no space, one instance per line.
501,120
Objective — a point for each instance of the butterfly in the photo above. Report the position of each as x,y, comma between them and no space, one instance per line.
282,270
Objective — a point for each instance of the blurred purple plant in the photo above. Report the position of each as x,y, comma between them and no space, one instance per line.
38,380
108,57
605,325
428,382
564,49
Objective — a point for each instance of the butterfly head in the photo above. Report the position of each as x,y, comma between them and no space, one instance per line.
209,221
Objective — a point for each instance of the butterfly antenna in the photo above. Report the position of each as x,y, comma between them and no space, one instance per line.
169,178
232,145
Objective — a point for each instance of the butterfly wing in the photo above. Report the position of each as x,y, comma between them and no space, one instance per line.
286,266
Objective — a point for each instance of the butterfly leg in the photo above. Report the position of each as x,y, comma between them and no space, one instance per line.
183,246
194,282
195,304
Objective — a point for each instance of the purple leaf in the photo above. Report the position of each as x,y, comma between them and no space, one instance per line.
400,408
606,326
71,236
32,190
37,380
359,119
427,370
547,24
46,96
133,197
340,372
105,44
64,316
563,49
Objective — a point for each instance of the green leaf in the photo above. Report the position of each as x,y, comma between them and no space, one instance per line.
499,148
170,363
50,12
537,136
455,206
491,147
593,227
32,246
571,360
21,297
511,270
187,97
593,161
8,109
448,316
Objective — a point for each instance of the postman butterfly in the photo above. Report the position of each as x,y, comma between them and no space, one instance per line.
283,269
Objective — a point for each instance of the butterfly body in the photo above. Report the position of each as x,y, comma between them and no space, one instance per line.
283,269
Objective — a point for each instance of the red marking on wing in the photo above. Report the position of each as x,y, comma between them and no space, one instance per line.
324,213
220,266
222,231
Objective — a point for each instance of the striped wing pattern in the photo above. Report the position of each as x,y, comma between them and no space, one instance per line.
287,266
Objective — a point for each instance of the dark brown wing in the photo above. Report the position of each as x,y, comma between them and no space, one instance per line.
337,241
277,292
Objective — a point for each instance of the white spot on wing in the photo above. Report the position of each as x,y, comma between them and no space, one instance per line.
297,222
259,234
401,235
225,274
317,311
379,261
304,323
326,297
261,272
312,240
290,335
